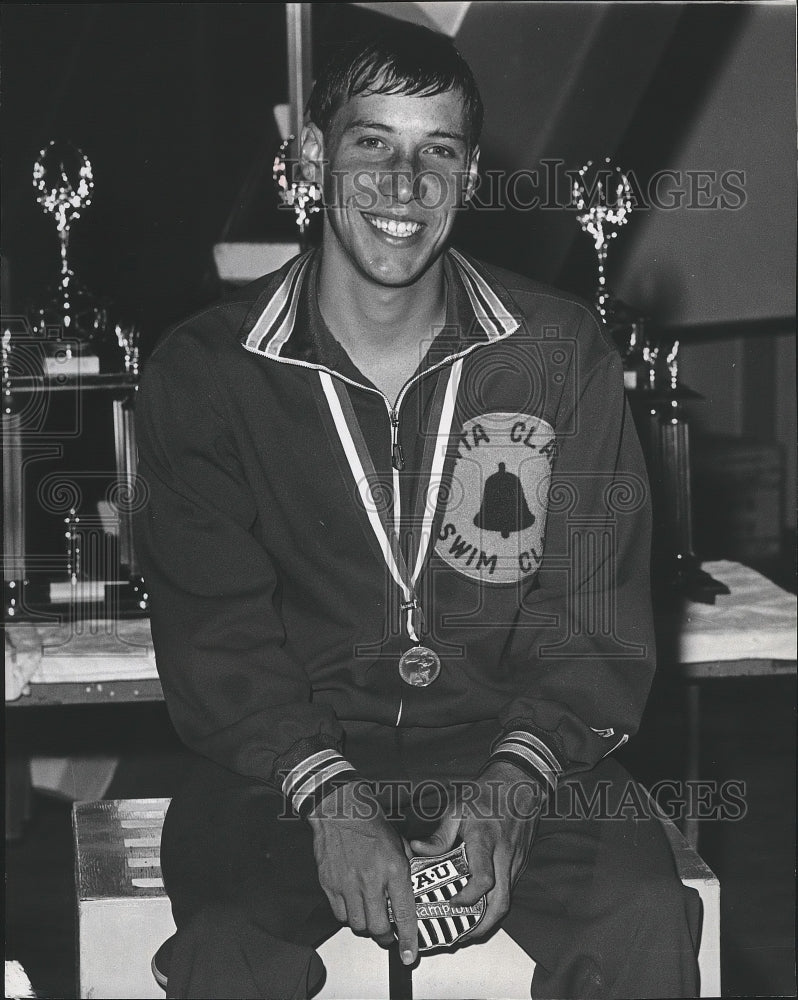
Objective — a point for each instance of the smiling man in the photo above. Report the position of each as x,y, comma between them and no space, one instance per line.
395,169
397,547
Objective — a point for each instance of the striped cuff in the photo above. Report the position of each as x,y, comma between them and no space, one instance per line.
314,778
530,753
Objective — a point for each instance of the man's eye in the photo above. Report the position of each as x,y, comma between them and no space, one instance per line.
372,142
443,151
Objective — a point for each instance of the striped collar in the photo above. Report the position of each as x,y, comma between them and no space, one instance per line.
271,328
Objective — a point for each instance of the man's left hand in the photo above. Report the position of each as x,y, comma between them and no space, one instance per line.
497,825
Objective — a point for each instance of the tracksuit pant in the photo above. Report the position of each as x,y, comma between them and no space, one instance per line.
599,905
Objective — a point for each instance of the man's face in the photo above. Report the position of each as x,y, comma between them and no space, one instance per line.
397,169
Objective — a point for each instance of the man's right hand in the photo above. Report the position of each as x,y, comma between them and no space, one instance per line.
362,864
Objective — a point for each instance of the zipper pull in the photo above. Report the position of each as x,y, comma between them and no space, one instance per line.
397,456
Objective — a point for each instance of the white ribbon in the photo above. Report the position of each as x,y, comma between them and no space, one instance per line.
407,586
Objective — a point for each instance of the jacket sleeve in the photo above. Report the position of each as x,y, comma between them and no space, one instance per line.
590,664
233,692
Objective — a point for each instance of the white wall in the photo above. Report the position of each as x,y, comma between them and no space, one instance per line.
694,265
722,264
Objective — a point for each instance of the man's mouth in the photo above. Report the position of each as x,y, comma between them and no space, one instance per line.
393,227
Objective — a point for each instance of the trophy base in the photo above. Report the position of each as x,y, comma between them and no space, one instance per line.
53,601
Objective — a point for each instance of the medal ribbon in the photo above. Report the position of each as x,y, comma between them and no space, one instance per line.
362,466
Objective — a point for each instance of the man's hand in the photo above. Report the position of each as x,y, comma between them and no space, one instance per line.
362,864
497,826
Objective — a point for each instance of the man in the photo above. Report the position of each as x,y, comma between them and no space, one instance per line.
396,544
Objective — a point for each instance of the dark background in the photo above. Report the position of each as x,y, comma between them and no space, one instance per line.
172,104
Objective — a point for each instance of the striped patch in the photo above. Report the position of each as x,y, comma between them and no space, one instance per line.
436,881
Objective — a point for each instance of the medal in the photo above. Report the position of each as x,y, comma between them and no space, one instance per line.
418,666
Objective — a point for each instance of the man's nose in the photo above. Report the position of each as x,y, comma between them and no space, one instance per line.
398,183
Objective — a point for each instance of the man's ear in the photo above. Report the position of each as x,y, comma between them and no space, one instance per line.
473,174
311,154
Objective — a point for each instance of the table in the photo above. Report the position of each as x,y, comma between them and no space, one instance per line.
750,632
81,661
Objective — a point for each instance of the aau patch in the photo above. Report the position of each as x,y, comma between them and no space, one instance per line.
435,882
494,523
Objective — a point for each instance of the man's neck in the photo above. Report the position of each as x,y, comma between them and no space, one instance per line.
376,322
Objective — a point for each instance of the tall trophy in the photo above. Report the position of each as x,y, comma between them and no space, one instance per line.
69,381
63,179
670,421
602,196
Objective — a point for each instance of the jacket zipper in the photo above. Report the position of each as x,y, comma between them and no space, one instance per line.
397,455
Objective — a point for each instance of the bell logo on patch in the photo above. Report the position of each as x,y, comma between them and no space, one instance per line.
494,523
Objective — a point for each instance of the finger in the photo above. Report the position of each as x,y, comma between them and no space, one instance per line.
497,906
482,880
403,905
377,923
355,913
441,841
338,906
518,867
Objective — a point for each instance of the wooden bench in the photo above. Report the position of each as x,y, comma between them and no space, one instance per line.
124,916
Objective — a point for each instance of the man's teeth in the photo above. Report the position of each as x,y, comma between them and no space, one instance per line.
394,228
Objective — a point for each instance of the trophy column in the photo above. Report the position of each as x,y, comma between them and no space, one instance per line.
67,402
13,527
676,493
602,198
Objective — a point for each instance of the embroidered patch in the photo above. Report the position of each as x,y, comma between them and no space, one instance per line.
493,528
435,882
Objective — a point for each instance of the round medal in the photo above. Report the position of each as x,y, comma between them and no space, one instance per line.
419,666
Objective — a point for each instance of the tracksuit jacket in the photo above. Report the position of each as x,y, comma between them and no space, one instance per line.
274,617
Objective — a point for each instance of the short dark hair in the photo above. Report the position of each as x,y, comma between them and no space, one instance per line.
407,59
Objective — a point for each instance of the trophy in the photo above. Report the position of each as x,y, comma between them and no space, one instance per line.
64,181
602,196
601,213
304,197
70,375
128,339
686,575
